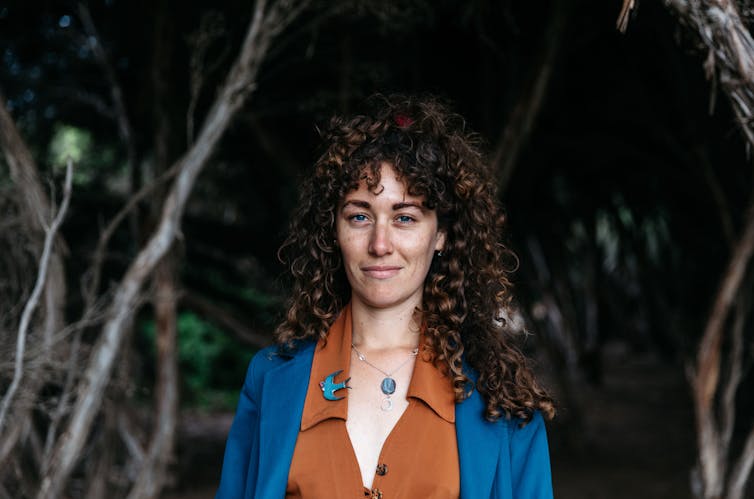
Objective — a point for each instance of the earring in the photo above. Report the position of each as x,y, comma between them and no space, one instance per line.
438,254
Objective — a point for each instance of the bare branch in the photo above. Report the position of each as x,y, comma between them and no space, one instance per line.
91,279
718,195
706,376
126,433
152,471
723,33
740,473
9,442
226,320
116,93
211,28
96,102
65,396
33,301
524,114
120,114
23,171
625,12
728,402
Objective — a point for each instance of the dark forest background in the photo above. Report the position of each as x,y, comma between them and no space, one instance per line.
624,168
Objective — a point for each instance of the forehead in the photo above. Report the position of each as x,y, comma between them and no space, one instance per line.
383,183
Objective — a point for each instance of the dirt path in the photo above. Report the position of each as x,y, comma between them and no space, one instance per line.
639,440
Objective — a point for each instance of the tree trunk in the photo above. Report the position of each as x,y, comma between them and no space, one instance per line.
153,473
706,378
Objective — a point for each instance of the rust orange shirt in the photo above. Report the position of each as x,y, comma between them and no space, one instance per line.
418,459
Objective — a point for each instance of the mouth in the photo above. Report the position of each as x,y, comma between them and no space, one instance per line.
381,271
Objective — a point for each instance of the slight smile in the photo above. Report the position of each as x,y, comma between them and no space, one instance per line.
381,271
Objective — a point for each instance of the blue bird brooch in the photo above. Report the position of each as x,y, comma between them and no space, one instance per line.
329,386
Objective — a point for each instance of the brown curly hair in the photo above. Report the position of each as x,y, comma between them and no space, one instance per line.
466,291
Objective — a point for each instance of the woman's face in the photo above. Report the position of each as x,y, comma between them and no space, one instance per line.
387,239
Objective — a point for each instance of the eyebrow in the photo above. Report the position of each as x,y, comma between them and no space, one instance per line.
396,206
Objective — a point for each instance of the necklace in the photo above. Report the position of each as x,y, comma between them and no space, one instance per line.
387,386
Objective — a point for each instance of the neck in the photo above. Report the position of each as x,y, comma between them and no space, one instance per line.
384,329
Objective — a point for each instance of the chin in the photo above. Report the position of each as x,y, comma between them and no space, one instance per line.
383,301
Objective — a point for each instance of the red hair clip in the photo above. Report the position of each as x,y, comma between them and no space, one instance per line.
403,121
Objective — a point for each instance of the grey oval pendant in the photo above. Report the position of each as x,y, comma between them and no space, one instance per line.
388,386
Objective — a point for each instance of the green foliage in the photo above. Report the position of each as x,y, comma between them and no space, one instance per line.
208,361
78,144
69,142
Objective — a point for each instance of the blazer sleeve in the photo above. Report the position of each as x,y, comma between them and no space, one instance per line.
530,460
243,440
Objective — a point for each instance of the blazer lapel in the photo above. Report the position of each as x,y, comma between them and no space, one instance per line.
479,444
283,395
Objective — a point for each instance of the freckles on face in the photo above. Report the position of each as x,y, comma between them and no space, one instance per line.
387,238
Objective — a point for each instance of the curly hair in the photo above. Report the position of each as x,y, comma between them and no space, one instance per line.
466,292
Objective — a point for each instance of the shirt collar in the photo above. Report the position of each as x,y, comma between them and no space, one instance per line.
330,356
428,383
431,386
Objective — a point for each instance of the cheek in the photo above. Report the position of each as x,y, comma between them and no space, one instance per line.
422,252
348,248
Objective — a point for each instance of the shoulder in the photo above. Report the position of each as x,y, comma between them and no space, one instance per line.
519,429
270,358
513,424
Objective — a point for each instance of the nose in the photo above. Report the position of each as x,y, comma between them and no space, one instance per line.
380,242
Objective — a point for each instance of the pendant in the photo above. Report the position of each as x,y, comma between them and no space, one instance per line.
387,404
388,386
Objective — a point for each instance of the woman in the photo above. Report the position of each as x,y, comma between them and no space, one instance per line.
394,375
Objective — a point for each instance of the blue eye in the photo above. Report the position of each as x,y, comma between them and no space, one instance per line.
359,217
405,219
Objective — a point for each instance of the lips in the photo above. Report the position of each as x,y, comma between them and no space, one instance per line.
381,271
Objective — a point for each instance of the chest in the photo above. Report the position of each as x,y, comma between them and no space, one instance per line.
372,413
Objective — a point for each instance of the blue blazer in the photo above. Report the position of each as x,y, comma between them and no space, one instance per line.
498,460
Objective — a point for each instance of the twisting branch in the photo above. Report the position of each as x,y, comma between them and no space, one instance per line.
226,320
705,379
33,301
211,28
625,13
151,475
91,279
36,209
725,37
522,118
116,93
120,114
729,63
740,472
735,372
266,23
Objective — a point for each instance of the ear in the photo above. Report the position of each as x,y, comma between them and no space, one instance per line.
440,240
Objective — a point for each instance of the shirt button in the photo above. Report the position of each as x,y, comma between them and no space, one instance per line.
382,469
376,494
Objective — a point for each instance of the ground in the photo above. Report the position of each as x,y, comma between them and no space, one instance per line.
637,440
